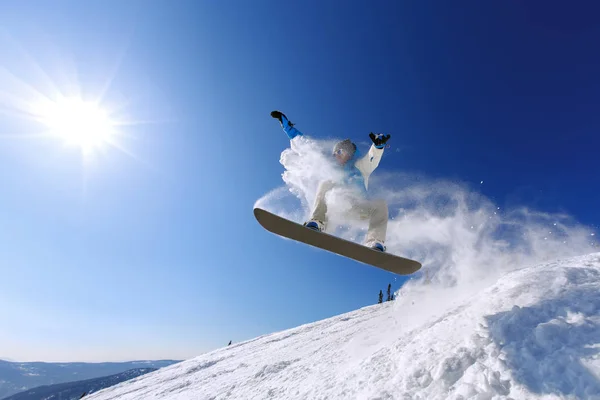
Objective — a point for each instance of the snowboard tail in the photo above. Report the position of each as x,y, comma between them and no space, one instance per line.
295,231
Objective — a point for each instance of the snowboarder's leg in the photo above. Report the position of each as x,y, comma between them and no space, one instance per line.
378,222
318,218
377,212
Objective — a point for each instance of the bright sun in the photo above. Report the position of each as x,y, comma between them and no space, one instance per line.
80,123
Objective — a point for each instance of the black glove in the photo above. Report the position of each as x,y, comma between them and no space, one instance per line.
379,139
278,115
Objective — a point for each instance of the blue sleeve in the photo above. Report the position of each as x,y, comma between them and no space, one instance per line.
289,129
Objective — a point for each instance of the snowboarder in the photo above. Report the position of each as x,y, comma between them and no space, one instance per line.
357,170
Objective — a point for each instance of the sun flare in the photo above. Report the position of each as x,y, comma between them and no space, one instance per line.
77,122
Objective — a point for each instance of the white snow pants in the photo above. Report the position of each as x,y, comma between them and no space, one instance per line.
375,210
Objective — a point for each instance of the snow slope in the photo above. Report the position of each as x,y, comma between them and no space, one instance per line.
534,333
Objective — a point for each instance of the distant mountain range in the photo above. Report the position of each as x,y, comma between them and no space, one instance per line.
20,376
74,390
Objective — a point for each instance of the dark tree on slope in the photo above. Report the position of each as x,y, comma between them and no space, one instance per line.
380,297
389,296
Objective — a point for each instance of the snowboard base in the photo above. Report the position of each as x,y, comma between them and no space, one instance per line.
292,230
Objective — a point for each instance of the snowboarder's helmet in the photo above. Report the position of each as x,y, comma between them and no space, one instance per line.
345,146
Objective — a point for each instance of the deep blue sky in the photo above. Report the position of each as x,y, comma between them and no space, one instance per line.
154,252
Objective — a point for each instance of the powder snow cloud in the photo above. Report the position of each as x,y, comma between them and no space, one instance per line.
458,234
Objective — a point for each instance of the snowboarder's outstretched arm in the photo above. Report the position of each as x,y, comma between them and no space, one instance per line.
367,164
287,126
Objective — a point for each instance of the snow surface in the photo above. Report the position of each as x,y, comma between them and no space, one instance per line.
533,333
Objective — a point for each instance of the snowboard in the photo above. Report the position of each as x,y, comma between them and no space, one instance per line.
298,232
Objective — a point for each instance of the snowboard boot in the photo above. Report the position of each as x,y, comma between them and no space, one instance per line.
375,245
315,225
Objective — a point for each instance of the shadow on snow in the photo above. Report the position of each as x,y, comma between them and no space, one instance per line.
548,345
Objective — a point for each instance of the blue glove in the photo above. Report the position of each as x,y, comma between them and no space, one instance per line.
379,139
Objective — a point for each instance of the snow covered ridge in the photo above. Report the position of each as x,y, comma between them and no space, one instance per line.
16,377
533,333
74,390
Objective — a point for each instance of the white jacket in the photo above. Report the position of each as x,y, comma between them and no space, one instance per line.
365,166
